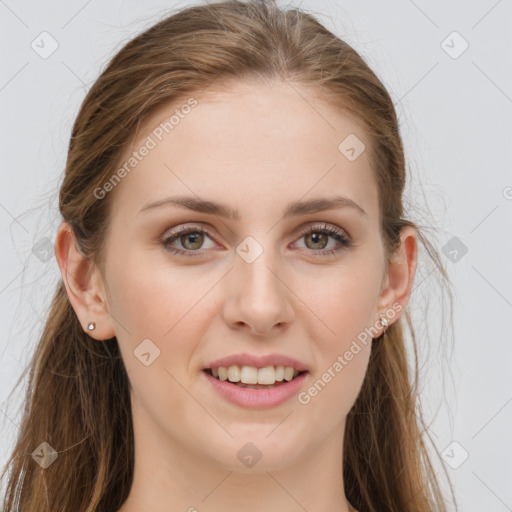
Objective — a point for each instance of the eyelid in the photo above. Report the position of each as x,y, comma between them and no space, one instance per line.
324,226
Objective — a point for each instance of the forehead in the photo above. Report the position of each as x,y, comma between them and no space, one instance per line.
245,141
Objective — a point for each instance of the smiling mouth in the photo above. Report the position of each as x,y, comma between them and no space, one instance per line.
237,381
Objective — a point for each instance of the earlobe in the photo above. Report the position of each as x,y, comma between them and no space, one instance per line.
83,285
400,275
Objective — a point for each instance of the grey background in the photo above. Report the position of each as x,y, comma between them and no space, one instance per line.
455,111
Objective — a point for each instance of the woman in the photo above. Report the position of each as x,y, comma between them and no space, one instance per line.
228,333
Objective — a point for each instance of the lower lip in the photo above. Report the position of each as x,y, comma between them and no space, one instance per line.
257,398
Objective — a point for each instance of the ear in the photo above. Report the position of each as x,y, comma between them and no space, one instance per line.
84,285
400,276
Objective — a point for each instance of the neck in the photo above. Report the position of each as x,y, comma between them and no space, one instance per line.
169,476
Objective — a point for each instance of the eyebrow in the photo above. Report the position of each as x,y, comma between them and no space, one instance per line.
293,209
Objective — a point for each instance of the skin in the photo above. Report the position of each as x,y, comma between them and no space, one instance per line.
256,148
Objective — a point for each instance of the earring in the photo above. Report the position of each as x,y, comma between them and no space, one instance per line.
384,322
91,326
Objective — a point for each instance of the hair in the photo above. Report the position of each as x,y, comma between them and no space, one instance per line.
386,465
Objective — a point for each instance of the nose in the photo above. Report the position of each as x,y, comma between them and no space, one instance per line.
258,299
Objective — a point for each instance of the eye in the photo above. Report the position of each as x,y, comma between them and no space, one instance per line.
318,238
191,239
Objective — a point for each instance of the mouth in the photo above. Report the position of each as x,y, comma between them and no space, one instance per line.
251,377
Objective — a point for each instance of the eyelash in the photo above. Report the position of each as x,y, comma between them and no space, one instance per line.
333,232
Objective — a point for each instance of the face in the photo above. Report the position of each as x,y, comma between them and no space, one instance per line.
301,283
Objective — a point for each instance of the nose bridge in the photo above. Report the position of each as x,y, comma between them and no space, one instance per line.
259,277
259,298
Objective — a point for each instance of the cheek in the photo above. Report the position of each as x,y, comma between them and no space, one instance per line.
159,311
170,307
343,301
331,394
343,348
151,298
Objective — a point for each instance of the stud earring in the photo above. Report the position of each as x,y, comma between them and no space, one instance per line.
91,326
384,322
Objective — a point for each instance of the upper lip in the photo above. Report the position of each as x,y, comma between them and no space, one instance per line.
258,361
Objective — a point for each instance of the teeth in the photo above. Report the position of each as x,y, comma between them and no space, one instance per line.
252,375
267,375
234,374
248,374
288,373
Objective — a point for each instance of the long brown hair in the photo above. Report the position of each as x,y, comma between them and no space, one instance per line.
78,396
